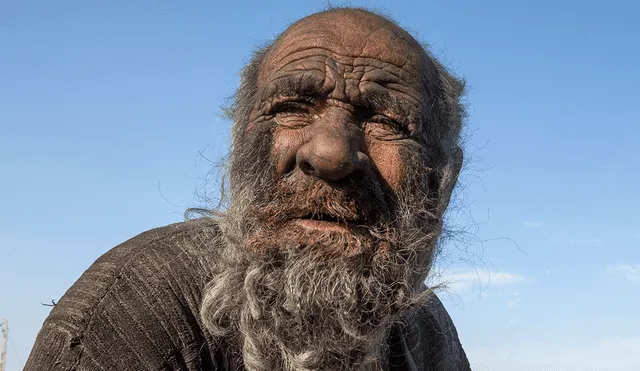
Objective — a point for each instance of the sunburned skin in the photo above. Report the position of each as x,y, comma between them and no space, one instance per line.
345,93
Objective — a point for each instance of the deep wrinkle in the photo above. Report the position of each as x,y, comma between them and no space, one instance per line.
315,294
373,91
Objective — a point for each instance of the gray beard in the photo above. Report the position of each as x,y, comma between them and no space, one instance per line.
298,299
322,305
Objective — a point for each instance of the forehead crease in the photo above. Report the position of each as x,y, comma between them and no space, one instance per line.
370,68
301,61
384,73
299,52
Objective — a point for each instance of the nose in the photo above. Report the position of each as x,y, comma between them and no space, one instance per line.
331,154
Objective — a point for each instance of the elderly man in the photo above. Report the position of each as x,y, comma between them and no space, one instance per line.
345,154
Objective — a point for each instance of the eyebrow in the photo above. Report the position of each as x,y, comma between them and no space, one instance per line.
302,84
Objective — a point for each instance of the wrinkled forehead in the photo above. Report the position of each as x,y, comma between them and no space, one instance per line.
347,34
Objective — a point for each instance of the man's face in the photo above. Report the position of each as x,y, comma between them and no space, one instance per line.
336,196
344,106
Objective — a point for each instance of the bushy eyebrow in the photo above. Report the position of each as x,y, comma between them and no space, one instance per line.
304,84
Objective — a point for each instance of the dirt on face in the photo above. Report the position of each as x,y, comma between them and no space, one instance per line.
338,180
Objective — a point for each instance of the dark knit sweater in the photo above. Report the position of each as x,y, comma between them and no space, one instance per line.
137,308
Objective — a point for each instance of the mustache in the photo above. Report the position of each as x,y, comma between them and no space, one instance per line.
294,196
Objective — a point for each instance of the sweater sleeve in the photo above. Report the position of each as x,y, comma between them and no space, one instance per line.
135,308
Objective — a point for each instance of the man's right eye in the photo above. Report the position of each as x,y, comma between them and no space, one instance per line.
292,107
293,113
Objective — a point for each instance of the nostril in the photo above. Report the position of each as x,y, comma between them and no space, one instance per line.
306,167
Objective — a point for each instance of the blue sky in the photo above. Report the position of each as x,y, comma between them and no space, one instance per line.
107,109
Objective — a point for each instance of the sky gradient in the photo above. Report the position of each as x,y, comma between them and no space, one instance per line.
111,116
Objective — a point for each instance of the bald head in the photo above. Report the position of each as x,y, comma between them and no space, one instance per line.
354,32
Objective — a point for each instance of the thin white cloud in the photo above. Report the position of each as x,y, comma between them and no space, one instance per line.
611,354
462,281
629,272
536,224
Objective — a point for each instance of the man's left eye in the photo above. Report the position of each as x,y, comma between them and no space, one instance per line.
382,119
388,124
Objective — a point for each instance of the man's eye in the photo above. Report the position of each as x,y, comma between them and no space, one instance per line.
292,107
387,123
381,119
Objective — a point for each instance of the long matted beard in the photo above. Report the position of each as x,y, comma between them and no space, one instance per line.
300,309
305,306
298,299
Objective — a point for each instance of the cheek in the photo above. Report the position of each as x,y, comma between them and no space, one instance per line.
286,143
387,158
250,153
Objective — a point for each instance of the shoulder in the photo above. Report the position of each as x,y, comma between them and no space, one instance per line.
177,255
431,339
187,238
137,306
